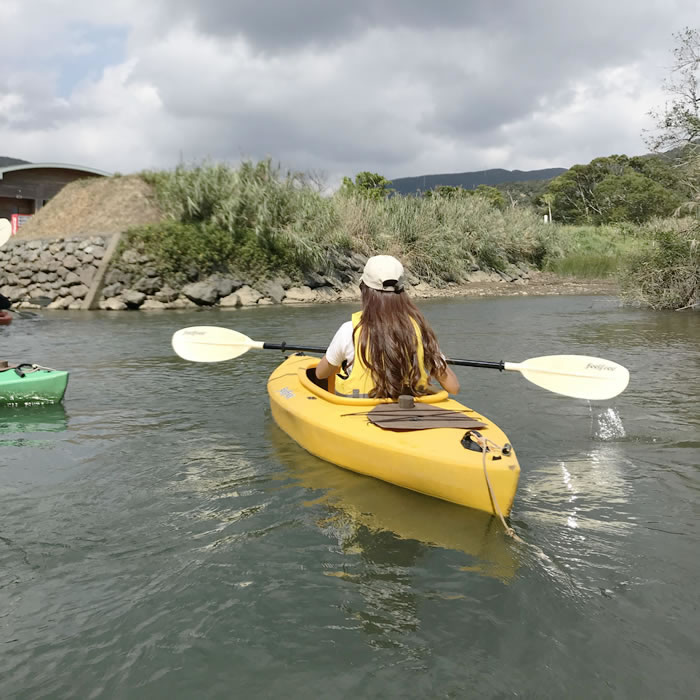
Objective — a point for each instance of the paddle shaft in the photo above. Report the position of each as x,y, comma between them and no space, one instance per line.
570,375
305,348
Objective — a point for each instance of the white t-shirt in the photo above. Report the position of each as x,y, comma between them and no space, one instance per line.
342,347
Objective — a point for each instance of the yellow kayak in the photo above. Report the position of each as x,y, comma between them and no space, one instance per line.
357,506
440,462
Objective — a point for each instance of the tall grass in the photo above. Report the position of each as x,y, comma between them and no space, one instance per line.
441,238
253,220
589,252
666,273
257,220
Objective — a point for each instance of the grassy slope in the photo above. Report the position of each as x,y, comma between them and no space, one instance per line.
258,221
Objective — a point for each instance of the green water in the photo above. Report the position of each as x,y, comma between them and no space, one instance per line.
161,538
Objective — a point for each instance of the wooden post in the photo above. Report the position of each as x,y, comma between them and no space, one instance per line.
90,301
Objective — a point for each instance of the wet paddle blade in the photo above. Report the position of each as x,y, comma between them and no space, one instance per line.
211,343
578,376
5,231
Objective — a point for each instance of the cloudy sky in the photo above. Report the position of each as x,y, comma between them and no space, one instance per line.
400,87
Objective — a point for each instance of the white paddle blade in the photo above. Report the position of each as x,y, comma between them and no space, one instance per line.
578,376
5,231
211,343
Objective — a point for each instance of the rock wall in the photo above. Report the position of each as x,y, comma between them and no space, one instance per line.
52,273
76,273
133,282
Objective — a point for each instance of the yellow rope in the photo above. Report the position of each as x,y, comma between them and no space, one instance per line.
482,442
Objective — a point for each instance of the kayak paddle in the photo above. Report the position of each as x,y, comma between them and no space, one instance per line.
578,376
39,301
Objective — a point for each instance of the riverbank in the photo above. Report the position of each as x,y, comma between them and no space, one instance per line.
217,237
100,273
279,240
539,284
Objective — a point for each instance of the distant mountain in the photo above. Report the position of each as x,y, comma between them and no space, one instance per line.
423,183
5,161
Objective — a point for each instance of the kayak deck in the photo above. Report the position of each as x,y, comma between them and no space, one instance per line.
32,385
434,462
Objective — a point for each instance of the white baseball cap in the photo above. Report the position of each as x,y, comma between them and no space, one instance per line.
384,273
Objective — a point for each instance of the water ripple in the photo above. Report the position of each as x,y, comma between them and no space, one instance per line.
161,537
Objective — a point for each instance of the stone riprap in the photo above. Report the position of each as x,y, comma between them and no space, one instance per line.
53,273
76,274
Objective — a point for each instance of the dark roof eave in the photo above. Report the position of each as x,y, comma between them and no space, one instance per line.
62,166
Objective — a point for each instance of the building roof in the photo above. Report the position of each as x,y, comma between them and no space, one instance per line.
61,166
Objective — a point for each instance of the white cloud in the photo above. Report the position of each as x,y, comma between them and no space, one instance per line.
112,124
390,88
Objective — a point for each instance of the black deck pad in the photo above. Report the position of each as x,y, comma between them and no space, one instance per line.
421,417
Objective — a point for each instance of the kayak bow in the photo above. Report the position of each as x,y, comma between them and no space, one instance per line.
29,384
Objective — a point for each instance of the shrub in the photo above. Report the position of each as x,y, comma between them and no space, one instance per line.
257,220
665,275
589,252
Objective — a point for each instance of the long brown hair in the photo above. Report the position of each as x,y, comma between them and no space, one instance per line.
387,344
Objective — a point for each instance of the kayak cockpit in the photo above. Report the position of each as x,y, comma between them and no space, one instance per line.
324,388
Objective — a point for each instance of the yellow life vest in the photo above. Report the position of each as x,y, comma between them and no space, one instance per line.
359,383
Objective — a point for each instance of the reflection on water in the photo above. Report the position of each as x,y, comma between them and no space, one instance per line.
33,419
226,480
588,504
18,422
657,330
357,505
585,493
384,579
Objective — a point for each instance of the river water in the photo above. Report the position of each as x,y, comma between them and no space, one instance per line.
161,538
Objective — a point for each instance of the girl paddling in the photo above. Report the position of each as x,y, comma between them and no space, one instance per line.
388,348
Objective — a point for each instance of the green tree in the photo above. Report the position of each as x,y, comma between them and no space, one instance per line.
492,195
521,194
573,192
678,124
367,184
632,197
614,189
447,191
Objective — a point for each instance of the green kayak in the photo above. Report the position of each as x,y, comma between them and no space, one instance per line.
27,384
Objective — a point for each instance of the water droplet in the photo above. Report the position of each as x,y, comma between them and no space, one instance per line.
609,425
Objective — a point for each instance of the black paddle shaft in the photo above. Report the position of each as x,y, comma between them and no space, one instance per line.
284,347
477,363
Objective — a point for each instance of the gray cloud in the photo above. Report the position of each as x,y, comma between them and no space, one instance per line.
398,86
574,33
482,66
